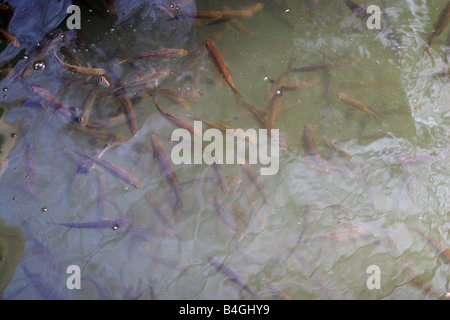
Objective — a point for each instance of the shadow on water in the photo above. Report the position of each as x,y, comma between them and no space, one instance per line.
362,175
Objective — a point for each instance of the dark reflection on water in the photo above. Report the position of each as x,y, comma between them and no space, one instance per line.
352,195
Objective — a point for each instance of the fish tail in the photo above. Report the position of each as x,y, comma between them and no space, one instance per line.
238,96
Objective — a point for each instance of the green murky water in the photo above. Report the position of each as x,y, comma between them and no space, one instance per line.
320,229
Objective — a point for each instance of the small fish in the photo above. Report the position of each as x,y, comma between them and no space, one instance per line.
221,67
357,10
163,53
42,287
150,80
116,171
3,167
259,115
356,104
276,291
162,214
179,101
341,235
57,105
127,109
299,85
199,51
40,250
101,224
227,216
416,280
440,25
112,138
220,177
81,70
8,38
274,107
87,164
254,178
165,168
231,275
277,83
177,122
310,146
313,67
87,106
441,249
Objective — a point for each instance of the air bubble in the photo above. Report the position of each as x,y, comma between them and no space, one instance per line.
44,209
39,65
115,227
5,89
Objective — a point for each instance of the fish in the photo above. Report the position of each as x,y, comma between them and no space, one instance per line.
100,224
313,67
356,104
163,53
299,85
259,115
127,109
199,51
440,248
179,101
3,166
416,280
357,10
8,38
150,80
274,108
40,250
112,138
165,168
310,146
87,106
220,177
87,164
221,67
177,122
116,171
42,287
276,291
340,235
227,216
439,26
162,214
81,70
57,105
231,275
254,178
277,83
